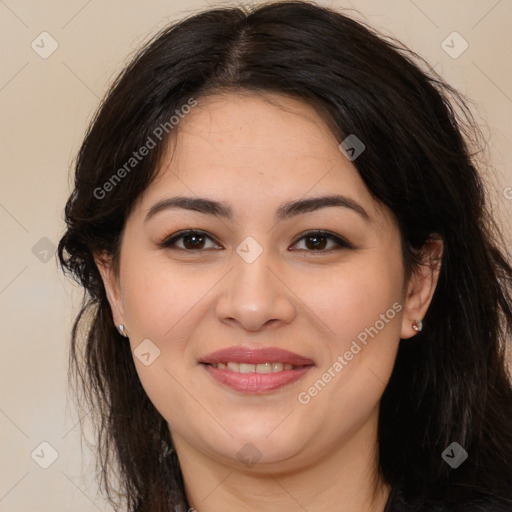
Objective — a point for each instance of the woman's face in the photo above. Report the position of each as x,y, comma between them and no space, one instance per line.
257,278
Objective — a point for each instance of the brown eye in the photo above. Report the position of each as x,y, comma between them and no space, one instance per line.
316,241
191,240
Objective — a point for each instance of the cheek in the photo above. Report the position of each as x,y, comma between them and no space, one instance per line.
351,300
361,306
159,297
162,304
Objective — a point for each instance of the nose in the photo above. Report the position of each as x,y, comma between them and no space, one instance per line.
255,294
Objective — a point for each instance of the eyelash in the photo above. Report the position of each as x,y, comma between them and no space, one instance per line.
169,243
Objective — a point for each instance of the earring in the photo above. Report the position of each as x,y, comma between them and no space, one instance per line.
121,330
417,325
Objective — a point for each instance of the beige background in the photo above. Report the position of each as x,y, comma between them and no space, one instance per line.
46,105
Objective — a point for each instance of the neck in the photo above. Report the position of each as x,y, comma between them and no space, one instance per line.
345,479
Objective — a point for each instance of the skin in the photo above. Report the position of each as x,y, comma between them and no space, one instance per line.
255,152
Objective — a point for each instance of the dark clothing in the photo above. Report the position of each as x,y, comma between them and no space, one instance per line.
478,503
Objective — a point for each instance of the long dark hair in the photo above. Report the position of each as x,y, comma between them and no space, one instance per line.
450,383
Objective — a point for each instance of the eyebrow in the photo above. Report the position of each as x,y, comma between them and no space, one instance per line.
285,211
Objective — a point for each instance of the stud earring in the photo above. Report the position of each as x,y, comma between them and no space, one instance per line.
417,325
121,330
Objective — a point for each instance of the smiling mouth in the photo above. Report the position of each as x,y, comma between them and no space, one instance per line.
260,378
256,368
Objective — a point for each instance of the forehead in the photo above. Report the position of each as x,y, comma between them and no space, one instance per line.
262,132
246,147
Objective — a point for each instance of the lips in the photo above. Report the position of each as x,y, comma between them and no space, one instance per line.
256,371
256,356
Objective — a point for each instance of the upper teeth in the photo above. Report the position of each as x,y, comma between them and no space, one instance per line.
251,368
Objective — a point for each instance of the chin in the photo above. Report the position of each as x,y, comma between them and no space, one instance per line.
260,451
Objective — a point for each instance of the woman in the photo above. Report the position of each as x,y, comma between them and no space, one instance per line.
297,297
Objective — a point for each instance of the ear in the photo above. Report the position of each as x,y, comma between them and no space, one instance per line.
421,286
111,283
